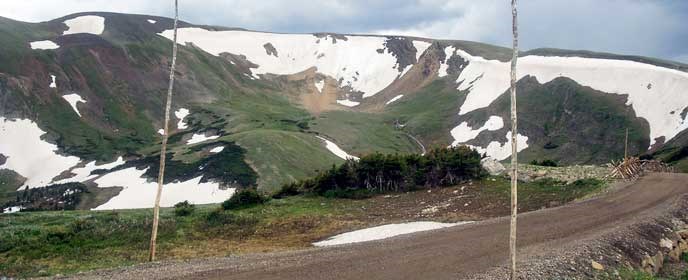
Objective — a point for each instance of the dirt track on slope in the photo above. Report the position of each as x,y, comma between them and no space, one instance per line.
451,253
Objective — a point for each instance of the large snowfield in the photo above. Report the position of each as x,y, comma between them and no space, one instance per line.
85,24
383,232
655,93
355,61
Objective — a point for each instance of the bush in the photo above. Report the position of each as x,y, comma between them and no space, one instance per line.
243,199
287,190
379,173
184,208
545,162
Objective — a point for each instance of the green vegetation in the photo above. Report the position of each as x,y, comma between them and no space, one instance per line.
55,197
243,199
184,208
544,162
378,173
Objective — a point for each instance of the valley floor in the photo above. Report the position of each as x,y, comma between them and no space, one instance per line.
55,243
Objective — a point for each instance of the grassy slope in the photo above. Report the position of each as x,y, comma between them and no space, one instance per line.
46,243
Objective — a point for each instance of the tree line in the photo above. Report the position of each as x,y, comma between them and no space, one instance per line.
379,173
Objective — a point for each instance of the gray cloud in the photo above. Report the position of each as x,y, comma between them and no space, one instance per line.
639,27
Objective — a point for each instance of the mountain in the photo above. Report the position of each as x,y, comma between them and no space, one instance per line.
81,100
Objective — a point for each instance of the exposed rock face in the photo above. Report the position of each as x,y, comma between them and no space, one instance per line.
270,49
3,159
492,166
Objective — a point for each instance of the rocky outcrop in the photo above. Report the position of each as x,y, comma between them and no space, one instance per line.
492,166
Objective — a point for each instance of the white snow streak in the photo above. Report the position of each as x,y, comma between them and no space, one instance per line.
217,149
448,53
138,192
501,151
420,46
320,85
151,21
181,114
383,232
73,99
85,24
28,155
332,147
394,99
53,84
44,45
347,102
654,92
198,138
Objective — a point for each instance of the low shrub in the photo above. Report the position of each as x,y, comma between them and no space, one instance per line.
184,208
243,199
545,162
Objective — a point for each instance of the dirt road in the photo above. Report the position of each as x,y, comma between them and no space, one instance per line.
451,253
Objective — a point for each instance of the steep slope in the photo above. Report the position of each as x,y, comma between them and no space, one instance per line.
81,101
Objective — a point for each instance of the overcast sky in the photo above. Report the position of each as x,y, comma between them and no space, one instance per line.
641,27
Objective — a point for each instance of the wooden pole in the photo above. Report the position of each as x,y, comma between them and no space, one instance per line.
626,145
163,150
514,144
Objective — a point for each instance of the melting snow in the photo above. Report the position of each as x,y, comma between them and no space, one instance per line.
44,45
85,24
332,147
198,138
320,85
420,46
13,209
217,149
181,114
654,92
448,53
28,155
383,232
501,151
139,193
84,173
151,21
464,133
394,99
348,103
53,84
355,61
73,99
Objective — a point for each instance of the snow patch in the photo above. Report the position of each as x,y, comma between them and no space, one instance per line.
44,45
198,138
84,173
464,133
654,92
420,46
320,85
394,99
448,53
53,84
138,192
85,24
36,160
383,232
72,99
347,102
161,131
217,149
332,147
13,209
354,61
151,21
408,67
501,151
181,114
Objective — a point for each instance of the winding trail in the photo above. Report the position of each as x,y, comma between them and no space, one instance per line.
450,253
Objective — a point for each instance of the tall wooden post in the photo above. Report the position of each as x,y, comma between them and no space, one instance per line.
514,144
163,150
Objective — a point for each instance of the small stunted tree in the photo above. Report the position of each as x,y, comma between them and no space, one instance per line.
514,150
163,150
